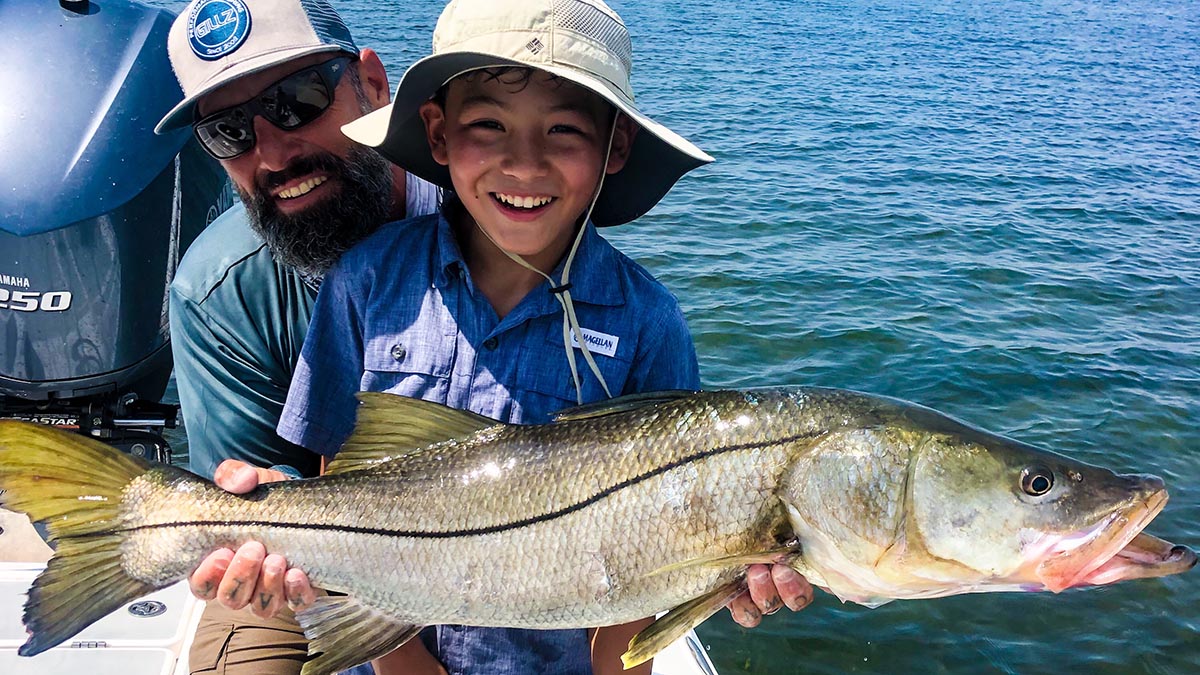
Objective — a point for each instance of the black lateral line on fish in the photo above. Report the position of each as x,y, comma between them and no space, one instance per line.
490,529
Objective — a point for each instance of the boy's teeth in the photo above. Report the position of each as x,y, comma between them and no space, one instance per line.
303,188
523,202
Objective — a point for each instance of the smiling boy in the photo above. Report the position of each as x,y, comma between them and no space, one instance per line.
508,303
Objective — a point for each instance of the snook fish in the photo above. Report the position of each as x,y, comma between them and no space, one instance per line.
610,513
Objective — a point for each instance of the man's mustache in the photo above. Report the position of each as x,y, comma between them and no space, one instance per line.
269,181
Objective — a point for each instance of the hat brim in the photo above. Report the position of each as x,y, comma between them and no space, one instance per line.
659,157
183,114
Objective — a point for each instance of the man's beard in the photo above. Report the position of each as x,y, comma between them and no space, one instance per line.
312,240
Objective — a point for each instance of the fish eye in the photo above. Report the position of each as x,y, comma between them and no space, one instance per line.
1036,480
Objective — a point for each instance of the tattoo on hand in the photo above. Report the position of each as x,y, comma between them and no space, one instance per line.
752,614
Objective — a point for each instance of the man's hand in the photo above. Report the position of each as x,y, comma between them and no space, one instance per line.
250,576
769,588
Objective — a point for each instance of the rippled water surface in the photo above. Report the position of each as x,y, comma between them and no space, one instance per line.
990,208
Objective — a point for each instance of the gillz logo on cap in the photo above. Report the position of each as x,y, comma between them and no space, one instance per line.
217,27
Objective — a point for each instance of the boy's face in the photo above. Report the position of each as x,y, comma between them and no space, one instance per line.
525,155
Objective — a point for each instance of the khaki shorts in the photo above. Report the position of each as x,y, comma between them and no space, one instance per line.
235,642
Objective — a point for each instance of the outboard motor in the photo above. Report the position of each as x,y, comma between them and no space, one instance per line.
95,212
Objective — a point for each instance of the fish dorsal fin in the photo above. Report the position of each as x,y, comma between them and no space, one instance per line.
619,404
391,426
344,633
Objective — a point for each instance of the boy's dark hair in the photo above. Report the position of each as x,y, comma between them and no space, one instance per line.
520,75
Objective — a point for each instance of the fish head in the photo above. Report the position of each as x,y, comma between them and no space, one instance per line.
1020,518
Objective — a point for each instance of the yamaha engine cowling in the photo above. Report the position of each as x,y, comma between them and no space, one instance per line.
95,212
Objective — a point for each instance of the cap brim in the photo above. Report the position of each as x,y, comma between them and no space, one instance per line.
659,157
183,113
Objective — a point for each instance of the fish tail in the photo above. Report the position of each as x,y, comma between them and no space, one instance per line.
72,484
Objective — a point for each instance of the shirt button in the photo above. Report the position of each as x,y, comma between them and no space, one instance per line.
490,343
399,352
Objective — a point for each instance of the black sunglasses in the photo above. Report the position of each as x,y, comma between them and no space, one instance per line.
289,104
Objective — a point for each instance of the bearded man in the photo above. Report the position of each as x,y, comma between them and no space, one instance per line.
269,103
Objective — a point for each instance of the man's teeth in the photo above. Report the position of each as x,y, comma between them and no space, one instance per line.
302,189
523,202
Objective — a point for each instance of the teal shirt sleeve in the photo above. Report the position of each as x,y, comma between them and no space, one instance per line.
237,322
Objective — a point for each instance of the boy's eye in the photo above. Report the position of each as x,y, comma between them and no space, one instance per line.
485,124
565,129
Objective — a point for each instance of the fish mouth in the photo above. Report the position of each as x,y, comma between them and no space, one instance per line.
1115,549
1145,556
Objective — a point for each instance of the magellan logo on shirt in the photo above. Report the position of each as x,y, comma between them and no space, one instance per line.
597,342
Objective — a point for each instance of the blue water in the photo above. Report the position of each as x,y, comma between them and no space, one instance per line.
990,208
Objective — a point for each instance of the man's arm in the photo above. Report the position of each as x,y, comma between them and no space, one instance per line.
231,390
610,642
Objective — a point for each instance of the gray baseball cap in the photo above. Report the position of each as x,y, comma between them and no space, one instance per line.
214,42
583,41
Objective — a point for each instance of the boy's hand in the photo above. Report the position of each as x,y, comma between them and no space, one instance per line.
250,576
769,588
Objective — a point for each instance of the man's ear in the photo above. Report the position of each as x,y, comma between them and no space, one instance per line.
434,117
373,77
624,131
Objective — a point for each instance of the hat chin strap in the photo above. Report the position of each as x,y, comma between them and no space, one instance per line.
563,290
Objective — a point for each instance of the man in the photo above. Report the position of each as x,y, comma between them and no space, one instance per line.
267,85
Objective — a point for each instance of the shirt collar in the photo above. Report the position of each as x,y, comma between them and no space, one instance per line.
593,273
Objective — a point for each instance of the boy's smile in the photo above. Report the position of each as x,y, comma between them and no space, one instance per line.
525,151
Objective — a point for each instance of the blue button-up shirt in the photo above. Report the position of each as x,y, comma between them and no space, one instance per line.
400,313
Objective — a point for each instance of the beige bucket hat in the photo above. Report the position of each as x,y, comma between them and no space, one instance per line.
583,41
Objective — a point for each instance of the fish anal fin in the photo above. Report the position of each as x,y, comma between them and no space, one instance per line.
677,622
343,632
391,427
619,404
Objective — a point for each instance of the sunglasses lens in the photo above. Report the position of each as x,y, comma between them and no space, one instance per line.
289,104
295,101
226,135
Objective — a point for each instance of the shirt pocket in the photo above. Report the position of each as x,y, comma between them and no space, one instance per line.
408,363
547,381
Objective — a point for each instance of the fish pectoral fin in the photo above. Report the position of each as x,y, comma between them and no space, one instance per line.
779,555
677,622
619,404
392,427
344,633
